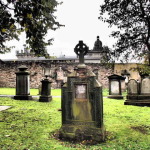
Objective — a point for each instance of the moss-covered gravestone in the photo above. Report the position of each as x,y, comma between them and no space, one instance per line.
82,104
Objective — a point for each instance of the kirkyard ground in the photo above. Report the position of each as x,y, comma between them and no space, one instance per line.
33,125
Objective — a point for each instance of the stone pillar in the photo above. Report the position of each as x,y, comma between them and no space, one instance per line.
22,84
45,91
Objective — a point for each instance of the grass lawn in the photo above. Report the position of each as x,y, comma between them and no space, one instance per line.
31,124
54,92
11,91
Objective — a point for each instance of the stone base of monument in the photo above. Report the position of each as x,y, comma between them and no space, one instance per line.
138,100
23,97
82,133
115,96
45,98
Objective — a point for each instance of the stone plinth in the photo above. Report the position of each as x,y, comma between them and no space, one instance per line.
82,107
22,84
45,91
115,91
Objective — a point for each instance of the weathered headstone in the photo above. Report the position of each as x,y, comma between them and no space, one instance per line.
144,97
60,77
138,93
115,91
46,87
132,91
145,86
45,91
82,104
125,74
133,87
22,84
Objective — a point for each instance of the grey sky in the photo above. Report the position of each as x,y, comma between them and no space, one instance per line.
80,18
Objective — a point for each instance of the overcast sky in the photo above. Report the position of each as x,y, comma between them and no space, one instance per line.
80,18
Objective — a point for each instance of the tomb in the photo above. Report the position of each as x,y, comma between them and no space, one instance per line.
82,103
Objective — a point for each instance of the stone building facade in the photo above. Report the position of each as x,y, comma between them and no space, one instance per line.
59,71
61,67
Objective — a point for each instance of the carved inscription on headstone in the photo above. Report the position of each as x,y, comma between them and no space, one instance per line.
114,87
80,92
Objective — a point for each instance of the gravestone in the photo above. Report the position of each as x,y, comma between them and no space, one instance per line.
138,93
125,74
22,84
82,103
46,86
115,91
144,97
45,91
60,77
132,91
133,87
145,86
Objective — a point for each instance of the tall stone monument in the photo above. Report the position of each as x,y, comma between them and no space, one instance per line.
22,84
82,103
46,87
45,91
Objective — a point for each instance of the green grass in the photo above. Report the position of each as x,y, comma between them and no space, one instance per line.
105,92
11,91
54,92
31,124
7,91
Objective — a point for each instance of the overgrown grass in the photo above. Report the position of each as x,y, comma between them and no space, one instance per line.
31,124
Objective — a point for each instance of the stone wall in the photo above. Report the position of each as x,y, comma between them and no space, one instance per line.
8,69
131,69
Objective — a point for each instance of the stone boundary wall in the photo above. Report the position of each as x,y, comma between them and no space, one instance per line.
8,69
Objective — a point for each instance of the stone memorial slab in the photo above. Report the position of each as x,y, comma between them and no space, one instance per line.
115,90
138,93
145,86
80,92
22,84
45,91
132,87
4,107
114,87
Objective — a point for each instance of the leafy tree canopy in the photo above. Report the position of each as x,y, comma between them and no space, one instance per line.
132,17
34,17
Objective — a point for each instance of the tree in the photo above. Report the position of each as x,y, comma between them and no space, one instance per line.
107,56
132,17
34,17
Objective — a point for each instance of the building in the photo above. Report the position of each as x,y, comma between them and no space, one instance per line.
62,66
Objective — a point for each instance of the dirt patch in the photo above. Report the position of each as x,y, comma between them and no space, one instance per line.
142,129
